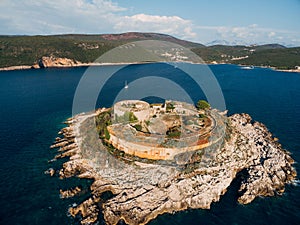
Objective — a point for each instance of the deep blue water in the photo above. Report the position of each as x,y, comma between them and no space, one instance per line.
34,103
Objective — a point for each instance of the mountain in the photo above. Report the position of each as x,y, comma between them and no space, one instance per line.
130,37
269,55
242,43
28,50
269,46
228,43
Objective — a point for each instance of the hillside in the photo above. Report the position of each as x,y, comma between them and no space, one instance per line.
272,55
27,50
130,37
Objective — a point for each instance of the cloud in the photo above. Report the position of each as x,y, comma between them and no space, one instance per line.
83,16
251,34
173,25
52,17
271,34
238,32
106,16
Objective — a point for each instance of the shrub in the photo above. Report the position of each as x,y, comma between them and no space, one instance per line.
138,127
106,133
170,107
202,104
202,116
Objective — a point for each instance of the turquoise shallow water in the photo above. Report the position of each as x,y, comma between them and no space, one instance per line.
34,103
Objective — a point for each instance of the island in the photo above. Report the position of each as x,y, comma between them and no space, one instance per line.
150,159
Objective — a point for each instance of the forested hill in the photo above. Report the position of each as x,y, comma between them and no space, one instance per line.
271,55
27,50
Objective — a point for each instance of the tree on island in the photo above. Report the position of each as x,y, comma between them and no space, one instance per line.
202,104
170,107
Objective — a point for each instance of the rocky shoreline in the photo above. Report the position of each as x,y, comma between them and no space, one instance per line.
140,192
56,62
48,62
53,62
290,71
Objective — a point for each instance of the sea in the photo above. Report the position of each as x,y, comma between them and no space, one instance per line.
35,103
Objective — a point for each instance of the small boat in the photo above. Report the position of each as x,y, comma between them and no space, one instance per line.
126,85
248,67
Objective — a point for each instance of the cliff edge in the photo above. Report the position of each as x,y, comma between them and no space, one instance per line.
52,61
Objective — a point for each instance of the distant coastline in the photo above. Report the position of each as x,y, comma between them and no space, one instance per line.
291,71
26,52
80,64
28,67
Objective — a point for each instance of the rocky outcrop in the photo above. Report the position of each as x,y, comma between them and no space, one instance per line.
46,62
50,171
142,191
88,210
70,193
270,166
52,61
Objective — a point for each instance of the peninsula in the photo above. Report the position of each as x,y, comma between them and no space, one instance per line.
70,50
166,157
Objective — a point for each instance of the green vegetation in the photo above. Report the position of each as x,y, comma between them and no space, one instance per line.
138,127
202,116
106,134
128,117
170,107
102,121
272,55
286,58
131,117
27,50
202,104
174,132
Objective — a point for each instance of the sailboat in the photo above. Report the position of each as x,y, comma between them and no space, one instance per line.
126,85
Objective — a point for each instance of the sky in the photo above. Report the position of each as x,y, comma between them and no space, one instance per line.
235,21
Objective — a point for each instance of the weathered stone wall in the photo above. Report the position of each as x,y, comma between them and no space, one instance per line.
159,147
155,147
143,150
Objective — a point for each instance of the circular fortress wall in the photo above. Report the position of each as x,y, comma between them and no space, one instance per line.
139,108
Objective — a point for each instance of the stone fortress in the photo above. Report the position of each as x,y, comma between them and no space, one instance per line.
163,131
